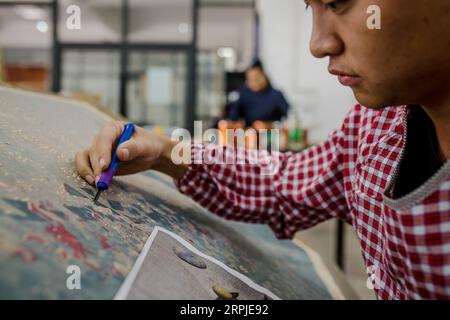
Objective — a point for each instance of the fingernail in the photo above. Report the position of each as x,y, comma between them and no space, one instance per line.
102,163
89,179
96,179
125,154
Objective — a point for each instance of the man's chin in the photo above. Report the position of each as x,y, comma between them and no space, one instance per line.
371,101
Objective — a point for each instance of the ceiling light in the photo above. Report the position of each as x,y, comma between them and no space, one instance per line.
42,26
30,12
183,28
226,52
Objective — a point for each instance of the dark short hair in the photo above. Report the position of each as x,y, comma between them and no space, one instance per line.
257,64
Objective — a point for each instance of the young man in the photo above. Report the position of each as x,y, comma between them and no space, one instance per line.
385,171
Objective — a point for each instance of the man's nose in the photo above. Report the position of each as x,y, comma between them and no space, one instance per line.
324,40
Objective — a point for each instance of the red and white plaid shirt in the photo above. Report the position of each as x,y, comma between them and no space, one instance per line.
405,242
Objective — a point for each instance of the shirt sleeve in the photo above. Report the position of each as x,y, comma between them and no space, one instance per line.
287,191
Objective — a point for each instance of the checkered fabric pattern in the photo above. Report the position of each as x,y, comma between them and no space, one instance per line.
405,243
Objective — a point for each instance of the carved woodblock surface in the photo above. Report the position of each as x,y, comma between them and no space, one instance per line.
48,220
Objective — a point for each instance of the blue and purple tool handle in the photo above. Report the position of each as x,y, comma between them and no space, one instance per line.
106,178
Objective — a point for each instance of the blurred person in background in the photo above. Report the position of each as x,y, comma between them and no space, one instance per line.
259,104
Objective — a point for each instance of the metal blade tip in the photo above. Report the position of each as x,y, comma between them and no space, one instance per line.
99,192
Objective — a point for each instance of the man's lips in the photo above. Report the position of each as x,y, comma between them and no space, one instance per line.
346,79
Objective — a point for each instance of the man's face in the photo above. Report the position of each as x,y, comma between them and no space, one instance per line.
406,62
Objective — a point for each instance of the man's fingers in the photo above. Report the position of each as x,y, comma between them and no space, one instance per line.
95,163
100,154
83,165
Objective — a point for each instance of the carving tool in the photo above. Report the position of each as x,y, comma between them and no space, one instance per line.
106,178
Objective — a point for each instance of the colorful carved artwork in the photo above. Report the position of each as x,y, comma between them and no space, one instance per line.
48,220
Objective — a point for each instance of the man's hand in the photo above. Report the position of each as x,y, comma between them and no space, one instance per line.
143,151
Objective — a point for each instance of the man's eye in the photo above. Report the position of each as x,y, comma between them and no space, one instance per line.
336,5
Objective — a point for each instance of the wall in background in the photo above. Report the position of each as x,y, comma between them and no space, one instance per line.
285,29
95,76
228,27
17,32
